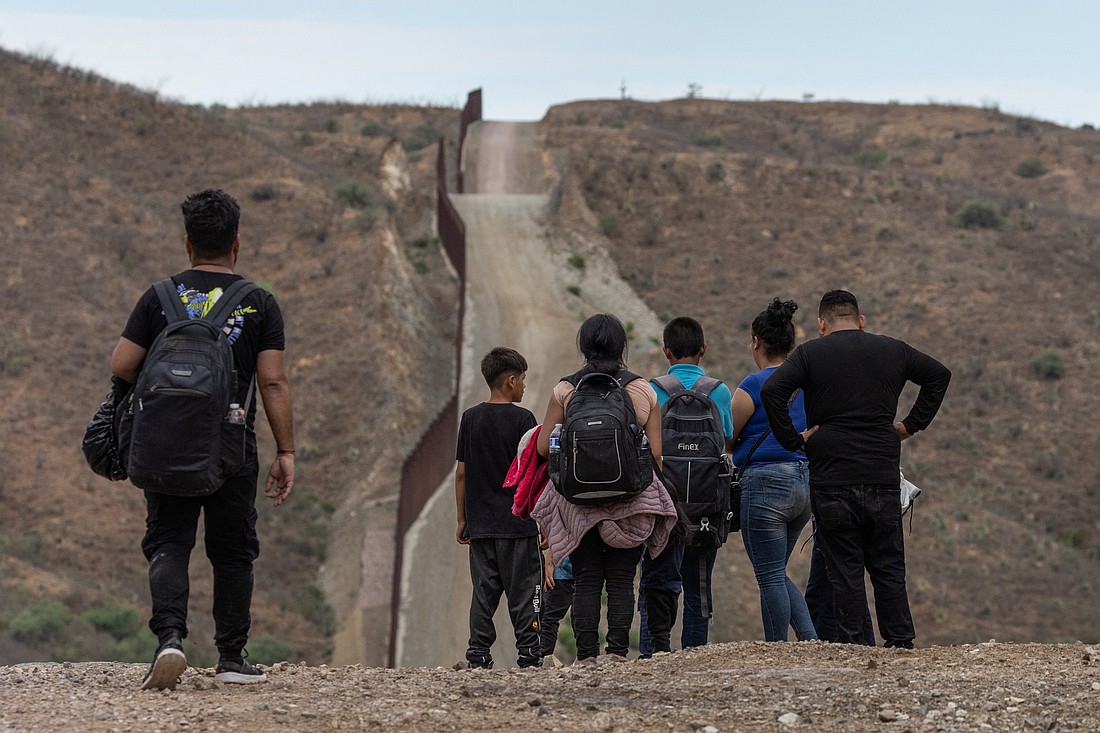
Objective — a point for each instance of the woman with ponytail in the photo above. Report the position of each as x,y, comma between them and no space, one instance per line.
775,500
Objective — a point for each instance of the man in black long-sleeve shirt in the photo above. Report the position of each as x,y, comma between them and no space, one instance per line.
852,381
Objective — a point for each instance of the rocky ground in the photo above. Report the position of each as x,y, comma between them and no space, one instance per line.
743,686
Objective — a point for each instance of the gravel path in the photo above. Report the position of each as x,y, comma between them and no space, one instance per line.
742,686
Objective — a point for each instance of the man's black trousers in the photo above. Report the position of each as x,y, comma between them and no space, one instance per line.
229,524
859,527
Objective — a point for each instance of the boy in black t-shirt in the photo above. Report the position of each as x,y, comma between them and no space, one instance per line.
504,550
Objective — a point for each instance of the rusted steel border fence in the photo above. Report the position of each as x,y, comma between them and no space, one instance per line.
433,457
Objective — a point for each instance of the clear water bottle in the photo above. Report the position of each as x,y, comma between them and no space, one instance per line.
555,440
236,414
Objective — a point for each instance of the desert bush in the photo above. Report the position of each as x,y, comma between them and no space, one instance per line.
422,137
705,140
374,128
979,214
716,172
1030,168
574,290
40,621
266,649
13,356
609,225
354,194
871,157
577,261
115,619
1049,363
263,192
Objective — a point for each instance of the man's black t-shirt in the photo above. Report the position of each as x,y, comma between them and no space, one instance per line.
256,325
852,381
487,440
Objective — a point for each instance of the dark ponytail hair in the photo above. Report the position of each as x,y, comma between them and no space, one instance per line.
774,327
602,342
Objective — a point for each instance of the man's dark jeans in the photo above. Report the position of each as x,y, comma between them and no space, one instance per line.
512,566
594,564
819,602
229,523
859,526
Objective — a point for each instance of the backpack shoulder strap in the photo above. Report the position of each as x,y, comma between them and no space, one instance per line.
230,298
669,383
170,301
704,385
625,377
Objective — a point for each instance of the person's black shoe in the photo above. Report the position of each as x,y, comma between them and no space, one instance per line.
238,671
168,664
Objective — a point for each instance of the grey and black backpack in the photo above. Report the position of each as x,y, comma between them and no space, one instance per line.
175,435
604,455
694,462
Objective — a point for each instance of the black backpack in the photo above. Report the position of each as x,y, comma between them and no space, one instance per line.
604,455
175,435
693,458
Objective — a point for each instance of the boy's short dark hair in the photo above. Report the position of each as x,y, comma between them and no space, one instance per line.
211,218
499,363
684,337
838,304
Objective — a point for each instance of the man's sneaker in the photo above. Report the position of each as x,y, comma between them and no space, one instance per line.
239,671
168,664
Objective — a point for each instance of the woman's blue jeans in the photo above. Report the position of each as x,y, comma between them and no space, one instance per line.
775,506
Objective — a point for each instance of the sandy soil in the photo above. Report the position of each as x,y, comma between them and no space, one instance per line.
743,686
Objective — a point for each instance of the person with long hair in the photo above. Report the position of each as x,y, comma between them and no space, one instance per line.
604,542
775,500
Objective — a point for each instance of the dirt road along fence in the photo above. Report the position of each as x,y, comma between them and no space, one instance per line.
433,457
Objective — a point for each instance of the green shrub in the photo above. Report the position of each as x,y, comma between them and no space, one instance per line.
264,192
576,261
704,140
422,137
13,356
354,194
40,621
979,214
114,618
1030,168
609,225
374,128
871,157
716,172
574,289
1049,363
266,649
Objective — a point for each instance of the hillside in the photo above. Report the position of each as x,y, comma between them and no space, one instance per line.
338,205
713,208
709,208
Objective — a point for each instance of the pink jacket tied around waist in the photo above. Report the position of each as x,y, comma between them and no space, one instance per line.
528,474
647,519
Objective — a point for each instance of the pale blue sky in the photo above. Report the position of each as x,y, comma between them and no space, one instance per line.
1028,58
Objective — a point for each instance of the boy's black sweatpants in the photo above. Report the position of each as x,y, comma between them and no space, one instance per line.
512,566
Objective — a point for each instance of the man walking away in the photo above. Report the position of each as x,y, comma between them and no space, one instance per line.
254,332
